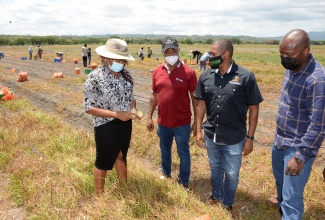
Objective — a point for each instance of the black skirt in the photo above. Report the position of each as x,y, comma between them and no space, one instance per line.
112,138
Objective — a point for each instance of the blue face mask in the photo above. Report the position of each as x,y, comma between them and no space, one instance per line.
116,67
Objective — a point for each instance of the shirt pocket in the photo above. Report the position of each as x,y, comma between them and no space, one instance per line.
235,93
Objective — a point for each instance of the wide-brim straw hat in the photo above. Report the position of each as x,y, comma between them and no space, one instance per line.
115,49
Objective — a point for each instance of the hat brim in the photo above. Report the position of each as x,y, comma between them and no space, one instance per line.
170,46
101,50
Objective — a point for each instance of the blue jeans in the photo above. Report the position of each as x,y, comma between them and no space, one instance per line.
290,188
225,162
203,65
182,137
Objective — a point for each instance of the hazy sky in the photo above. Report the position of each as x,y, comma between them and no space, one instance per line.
257,18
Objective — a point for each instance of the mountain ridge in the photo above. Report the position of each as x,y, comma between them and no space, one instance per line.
313,35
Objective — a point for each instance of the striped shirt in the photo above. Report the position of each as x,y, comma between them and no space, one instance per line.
301,114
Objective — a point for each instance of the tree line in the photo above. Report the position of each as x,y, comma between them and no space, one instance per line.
9,40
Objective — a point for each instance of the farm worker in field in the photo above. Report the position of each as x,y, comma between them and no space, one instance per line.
149,52
173,83
225,93
39,51
203,60
30,51
108,97
300,128
197,54
141,53
89,56
84,53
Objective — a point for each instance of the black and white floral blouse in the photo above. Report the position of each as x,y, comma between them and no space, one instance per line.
102,89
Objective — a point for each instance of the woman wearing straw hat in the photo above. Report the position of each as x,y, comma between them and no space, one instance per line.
108,97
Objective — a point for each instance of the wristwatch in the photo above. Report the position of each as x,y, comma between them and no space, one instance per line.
250,137
300,161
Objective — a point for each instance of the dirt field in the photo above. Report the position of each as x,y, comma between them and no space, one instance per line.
41,72
63,97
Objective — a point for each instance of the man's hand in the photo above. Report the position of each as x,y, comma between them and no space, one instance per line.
193,129
150,125
247,147
200,140
294,168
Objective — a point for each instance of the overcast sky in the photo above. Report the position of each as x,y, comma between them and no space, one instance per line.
257,18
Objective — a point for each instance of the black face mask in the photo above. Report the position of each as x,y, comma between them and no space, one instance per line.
215,62
289,62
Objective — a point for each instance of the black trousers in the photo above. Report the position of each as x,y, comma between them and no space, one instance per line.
84,60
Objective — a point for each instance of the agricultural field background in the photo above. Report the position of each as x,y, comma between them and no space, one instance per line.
47,148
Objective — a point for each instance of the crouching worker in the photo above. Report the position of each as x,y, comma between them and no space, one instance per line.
108,97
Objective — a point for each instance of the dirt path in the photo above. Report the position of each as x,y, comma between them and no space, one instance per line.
62,98
41,72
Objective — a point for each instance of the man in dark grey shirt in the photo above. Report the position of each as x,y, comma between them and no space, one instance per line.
226,92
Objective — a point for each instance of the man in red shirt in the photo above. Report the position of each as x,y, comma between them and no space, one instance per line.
172,85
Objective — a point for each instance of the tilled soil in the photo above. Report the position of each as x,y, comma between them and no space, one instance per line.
41,72
49,100
64,97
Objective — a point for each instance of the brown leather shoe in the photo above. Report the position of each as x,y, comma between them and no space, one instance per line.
213,201
273,202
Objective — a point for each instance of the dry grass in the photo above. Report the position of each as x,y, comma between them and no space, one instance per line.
48,164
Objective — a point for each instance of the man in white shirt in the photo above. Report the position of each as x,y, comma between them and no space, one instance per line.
84,51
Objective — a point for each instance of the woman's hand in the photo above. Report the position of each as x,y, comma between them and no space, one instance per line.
126,115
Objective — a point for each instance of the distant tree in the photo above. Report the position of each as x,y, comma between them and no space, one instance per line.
4,41
114,36
50,40
36,40
235,40
158,41
20,41
209,41
317,42
272,42
187,41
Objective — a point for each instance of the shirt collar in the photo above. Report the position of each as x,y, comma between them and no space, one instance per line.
228,71
304,68
168,71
